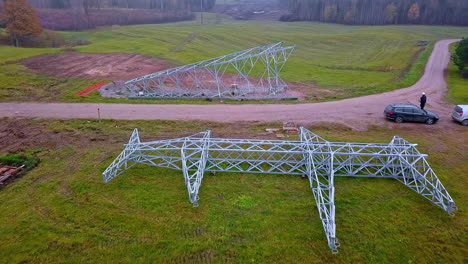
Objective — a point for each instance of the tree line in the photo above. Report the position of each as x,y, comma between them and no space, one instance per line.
86,14
161,5
379,12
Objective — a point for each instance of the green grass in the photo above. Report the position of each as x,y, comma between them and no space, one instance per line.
457,86
61,212
348,60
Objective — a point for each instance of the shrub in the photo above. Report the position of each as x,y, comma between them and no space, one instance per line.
48,39
460,58
289,18
4,38
464,73
18,160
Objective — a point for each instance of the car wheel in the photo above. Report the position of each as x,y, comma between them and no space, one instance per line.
430,121
399,119
465,122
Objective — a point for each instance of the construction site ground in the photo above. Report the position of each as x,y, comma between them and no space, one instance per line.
358,113
107,66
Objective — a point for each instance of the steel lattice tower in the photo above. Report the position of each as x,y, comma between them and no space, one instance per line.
222,77
312,156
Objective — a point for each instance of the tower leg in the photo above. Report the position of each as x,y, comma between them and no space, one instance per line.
194,155
320,172
127,158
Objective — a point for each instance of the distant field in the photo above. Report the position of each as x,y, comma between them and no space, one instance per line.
61,212
458,87
348,61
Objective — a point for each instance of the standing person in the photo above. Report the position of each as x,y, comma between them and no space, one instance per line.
423,100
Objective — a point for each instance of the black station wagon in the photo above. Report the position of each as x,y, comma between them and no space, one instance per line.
405,112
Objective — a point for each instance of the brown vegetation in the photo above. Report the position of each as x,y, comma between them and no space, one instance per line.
86,14
21,20
161,5
73,19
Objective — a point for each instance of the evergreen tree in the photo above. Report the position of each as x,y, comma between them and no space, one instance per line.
460,58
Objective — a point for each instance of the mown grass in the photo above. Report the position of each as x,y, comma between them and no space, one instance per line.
61,212
348,60
457,86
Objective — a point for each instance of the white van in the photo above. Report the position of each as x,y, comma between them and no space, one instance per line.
460,114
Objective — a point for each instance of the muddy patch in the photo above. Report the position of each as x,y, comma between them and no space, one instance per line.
109,66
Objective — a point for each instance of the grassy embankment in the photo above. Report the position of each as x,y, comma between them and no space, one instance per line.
458,87
346,61
61,212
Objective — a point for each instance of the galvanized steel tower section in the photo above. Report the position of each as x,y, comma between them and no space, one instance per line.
312,156
228,76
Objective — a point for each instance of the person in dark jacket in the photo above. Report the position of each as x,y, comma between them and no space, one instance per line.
423,100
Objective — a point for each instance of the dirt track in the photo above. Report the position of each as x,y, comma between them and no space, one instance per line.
357,113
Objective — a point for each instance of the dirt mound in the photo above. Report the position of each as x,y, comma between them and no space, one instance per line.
111,66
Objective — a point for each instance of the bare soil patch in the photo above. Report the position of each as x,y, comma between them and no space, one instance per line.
118,67
20,135
111,66
117,89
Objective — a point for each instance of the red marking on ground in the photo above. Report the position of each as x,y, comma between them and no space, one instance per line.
91,89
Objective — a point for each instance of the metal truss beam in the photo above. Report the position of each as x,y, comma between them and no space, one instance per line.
312,156
222,77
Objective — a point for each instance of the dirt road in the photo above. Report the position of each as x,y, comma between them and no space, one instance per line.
357,113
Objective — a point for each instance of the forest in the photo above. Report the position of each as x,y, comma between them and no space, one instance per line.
86,14
380,12
162,5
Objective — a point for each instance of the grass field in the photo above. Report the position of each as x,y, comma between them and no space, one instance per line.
458,87
347,60
61,212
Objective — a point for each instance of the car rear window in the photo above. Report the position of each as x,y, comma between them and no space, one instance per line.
388,108
407,110
398,109
458,109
